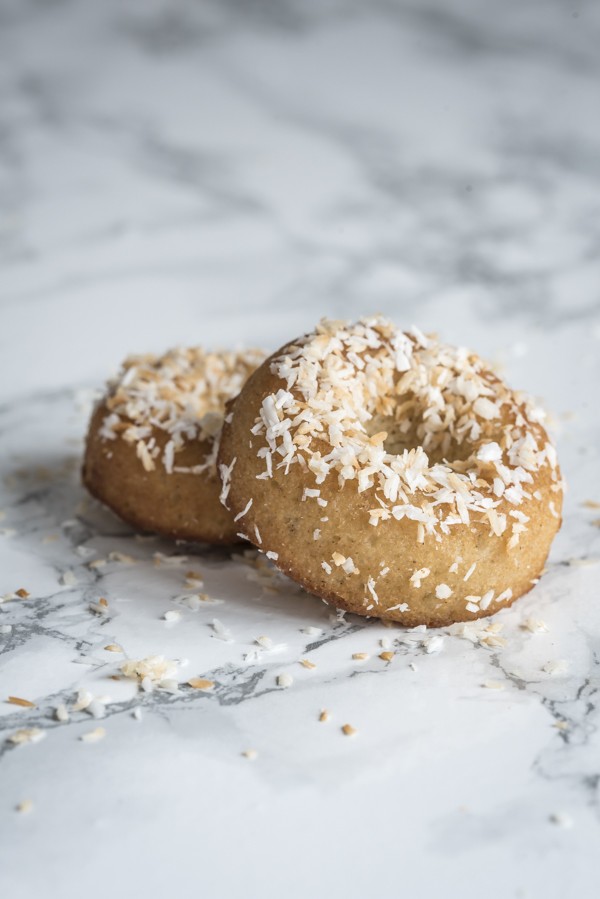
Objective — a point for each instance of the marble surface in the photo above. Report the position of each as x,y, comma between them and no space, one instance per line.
227,173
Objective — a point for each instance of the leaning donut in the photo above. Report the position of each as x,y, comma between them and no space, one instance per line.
392,475
153,438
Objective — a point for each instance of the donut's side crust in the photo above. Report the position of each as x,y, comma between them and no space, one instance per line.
181,506
288,526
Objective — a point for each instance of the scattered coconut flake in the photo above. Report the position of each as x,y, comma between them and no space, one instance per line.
386,656
68,578
116,556
24,807
201,683
27,735
151,671
433,644
137,713
24,703
285,680
250,754
220,631
556,667
312,631
360,656
61,713
535,625
323,715
96,708
561,819
171,616
113,647
306,663
493,685
84,697
348,730
93,736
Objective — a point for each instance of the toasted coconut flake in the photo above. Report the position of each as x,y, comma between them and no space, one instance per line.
201,683
18,700
386,656
360,656
22,593
323,715
306,663
348,730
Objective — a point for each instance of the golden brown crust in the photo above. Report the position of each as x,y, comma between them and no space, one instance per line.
178,505
303,534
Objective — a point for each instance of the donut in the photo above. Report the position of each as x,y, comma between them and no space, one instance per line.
392,475
152,441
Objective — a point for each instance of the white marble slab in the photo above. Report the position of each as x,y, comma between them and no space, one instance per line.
227,173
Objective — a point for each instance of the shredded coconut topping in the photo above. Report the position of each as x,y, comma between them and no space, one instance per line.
427,428
183,394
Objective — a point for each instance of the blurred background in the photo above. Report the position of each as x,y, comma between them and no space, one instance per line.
228,171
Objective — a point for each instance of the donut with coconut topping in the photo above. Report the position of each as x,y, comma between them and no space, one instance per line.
392,475
153,438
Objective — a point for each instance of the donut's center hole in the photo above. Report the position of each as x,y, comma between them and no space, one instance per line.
411,431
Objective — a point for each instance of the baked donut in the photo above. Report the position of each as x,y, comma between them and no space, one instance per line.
152,442
392,475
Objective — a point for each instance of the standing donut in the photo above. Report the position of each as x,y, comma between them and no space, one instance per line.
152,442
392,475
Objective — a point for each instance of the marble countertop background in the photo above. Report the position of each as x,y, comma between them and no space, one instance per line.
226,173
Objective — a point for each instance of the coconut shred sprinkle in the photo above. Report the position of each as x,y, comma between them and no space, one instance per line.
425,427
183,394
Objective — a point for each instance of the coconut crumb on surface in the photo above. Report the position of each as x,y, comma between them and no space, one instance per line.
113,647
306,663
93,736
22,593
348,730
556,667
151,672
493,685
561,819
360,656
200,683
24,807
172,616
386,656
285,680
535,625
324,715
250,754
61,713
26,735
